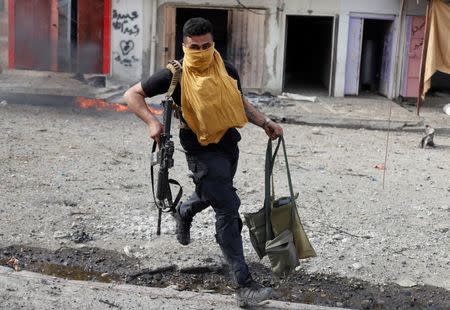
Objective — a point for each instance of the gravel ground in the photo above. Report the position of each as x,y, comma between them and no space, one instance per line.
72,178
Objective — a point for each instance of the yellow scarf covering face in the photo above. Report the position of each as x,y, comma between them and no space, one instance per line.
211,102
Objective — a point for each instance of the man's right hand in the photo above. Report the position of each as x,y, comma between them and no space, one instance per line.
135,98
155,129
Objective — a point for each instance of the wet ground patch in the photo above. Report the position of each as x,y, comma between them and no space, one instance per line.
93,264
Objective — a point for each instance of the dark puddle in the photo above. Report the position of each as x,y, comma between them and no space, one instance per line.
94,264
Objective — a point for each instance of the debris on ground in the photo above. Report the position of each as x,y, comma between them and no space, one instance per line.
427,139
380,166
3,103
447,109
316,131
265,99
80,237
297,97
13,263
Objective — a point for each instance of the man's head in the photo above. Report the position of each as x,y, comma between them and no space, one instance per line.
198,34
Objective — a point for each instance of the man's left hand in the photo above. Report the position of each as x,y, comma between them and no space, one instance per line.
273,130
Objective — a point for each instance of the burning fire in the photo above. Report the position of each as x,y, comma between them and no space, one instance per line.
102,105
99,105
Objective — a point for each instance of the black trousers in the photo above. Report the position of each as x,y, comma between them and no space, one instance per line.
213,172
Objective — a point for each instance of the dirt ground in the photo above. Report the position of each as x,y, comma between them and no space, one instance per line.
79,179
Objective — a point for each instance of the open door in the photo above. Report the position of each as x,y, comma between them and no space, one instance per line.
35,25
246,51
413,55
352,66
386,61
333,56
170,14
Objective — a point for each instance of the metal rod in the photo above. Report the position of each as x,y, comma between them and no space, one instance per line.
424,56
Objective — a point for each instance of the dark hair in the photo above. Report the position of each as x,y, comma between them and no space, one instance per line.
197,26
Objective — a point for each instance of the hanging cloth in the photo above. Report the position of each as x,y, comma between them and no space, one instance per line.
211,102
438,49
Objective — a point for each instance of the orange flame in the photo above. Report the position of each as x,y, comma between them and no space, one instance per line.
102,105
99,105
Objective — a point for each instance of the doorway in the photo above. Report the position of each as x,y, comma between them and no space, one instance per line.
240,37
308,54
219,20
373,38
33,34
369,57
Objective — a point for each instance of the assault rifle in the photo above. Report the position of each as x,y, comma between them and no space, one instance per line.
164,157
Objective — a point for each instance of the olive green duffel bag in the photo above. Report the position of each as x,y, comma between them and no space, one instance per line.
276,229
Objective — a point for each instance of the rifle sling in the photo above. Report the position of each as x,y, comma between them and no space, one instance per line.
174,67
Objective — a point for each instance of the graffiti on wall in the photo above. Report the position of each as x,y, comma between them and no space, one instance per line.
126,24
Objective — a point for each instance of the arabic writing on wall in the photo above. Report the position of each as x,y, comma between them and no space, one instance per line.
127,26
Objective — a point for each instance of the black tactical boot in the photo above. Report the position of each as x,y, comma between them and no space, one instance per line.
183,229
252,294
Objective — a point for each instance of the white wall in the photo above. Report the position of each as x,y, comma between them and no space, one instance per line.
127,39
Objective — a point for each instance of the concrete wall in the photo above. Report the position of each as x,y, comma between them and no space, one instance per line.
127,39
293,7
136,47
3,35
275,32
275,28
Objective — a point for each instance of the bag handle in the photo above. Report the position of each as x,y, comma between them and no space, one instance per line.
268,191
288,171
268,173
270,161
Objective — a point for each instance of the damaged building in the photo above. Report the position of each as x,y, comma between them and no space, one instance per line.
322,47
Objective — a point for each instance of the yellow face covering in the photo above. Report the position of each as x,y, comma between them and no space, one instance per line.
211,102
198,60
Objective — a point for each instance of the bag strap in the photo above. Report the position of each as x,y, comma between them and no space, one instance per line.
267,197
288,171
175,67
269,171
268,182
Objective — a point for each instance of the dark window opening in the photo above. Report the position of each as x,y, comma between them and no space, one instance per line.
307,64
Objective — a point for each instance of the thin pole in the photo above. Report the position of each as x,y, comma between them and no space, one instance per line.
401,16
424,56
387,142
